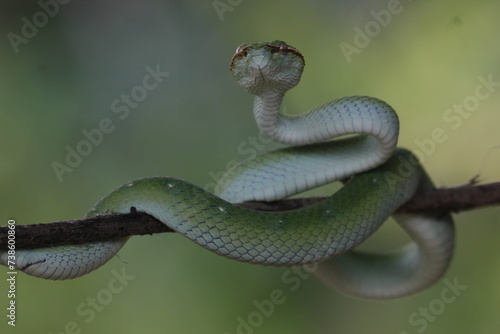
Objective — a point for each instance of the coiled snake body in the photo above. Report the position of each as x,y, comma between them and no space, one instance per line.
381,179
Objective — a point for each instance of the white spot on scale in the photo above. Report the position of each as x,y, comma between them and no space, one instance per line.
170,185
221,209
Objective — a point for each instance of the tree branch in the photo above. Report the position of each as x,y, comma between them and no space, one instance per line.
105,227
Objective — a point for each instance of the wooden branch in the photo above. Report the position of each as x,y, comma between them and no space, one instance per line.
105,227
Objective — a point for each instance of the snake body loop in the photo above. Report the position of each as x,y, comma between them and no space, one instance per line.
381,178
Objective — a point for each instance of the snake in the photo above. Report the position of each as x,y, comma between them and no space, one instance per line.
351,139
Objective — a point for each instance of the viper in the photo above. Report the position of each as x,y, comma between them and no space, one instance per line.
352,139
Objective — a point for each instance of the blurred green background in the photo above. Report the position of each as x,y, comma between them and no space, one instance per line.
64,78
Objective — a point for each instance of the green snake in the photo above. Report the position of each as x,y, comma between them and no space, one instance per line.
378,179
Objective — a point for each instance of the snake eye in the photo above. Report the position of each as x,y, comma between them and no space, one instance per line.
283,48
240,48
240,55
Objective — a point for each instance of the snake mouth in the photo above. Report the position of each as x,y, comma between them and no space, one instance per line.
273,48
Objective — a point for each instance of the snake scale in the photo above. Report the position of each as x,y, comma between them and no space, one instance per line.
378,178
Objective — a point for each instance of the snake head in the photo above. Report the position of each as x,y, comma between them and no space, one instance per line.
270,66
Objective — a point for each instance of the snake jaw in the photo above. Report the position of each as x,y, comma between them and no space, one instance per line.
27,266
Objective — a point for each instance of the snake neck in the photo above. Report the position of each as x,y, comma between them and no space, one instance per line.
280,128
266,112
344,116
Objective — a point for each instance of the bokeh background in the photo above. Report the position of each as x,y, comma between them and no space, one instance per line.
64,76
